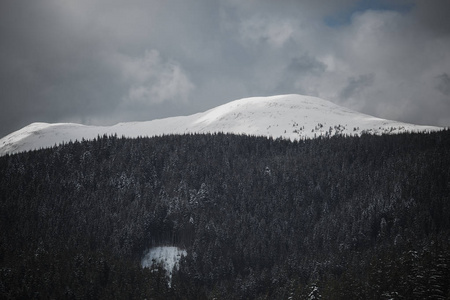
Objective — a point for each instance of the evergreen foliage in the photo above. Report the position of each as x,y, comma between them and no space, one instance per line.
330,218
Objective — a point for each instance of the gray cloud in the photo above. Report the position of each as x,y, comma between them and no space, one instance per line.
102,62
306,64
443,84
154,80
357,85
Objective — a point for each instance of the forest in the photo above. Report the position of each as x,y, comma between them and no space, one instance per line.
260,218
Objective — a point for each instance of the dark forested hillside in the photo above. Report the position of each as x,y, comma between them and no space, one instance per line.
337,218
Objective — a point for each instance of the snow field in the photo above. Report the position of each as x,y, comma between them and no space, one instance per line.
286,116
168,256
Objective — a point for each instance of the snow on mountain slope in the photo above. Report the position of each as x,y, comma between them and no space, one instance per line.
286,116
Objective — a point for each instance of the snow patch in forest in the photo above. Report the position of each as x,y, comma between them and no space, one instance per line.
168,256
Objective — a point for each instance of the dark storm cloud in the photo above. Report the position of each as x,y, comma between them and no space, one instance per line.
52,68
103,61
433,15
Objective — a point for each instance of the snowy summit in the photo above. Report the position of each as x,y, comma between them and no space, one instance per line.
285,116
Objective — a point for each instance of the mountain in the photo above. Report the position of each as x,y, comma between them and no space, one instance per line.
286,116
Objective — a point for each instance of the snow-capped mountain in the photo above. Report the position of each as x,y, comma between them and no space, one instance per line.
286,116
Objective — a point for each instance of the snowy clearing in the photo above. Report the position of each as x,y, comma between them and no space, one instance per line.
168,256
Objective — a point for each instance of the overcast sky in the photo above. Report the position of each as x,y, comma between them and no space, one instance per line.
108,61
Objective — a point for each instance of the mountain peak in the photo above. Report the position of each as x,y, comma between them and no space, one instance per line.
286,116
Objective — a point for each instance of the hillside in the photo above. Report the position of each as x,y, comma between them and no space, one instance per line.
255,218
286,116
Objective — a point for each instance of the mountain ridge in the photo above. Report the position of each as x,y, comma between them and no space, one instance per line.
286,116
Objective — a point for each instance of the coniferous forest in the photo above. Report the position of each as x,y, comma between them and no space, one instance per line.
329,218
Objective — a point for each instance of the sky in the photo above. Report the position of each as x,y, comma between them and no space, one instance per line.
100,62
